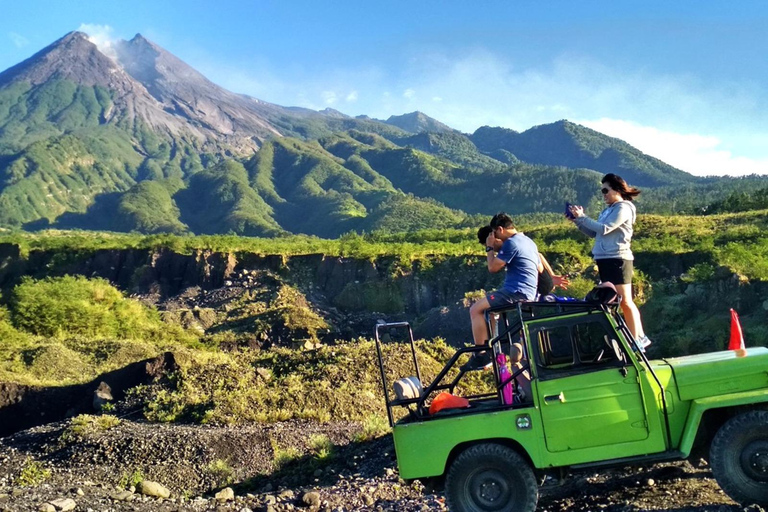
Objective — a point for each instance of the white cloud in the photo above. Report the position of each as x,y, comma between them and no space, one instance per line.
101,36
18,40
329,97
701,155
663,114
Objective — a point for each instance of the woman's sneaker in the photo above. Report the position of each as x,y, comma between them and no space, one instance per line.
643,343
478,361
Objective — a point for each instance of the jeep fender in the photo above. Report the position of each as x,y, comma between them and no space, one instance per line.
701,405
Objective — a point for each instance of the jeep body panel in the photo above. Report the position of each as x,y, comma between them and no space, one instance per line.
423,448
720,373
594,401
677,410
700,406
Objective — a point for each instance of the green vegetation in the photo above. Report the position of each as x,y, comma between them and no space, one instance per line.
149,208
321,447
87,425
63,166
339,382
570,145
132,479
282,457
373,426
62,307
32,474
65,330
222,472
220,200
743,200
61,330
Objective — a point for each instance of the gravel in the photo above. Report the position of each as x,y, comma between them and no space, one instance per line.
238,464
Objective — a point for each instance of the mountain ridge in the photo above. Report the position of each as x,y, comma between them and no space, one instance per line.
417,122
83,131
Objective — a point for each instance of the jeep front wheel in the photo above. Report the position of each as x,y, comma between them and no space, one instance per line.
739,458
490,477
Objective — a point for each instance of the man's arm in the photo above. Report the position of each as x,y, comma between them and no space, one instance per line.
494,264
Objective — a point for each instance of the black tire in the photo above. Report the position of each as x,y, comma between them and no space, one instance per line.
490,477
739,458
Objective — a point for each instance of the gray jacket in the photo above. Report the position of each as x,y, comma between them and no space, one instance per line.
612,231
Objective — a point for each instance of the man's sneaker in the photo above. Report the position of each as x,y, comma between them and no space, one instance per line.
478,361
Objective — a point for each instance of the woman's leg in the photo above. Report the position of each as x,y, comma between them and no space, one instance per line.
631,313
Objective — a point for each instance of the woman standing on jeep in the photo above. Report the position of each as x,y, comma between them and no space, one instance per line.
612,232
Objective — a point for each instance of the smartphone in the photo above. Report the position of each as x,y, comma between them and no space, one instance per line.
568,210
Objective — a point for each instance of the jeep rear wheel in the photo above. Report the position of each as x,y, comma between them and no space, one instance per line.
490,477
739,458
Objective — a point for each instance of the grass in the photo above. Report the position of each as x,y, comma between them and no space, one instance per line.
64,330
33,473
322,447
282,457
131,479
221,471
86,425
373,426
341,382
558,239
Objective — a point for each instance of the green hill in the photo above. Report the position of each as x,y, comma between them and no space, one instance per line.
571,145
145,143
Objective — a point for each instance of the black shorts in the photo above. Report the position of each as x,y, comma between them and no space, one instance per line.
615,270
546,284
502,298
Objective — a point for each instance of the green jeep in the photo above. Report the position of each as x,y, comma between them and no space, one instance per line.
595,401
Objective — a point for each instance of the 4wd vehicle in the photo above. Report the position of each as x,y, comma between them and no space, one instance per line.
594,400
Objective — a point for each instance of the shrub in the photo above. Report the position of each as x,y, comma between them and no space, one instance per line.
55,362
131,479
32,474
321,446
373,426
58,307
221,472
86,425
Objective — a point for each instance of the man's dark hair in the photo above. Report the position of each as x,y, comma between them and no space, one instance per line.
483,232
503,220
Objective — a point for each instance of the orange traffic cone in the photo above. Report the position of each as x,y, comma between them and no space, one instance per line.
737,338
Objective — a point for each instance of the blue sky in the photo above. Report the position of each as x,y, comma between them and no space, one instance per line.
684,81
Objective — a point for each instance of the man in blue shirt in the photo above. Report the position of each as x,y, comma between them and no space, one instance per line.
519,256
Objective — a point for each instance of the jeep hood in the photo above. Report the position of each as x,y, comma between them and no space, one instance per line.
720,373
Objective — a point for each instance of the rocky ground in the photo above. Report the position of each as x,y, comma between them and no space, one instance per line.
100,471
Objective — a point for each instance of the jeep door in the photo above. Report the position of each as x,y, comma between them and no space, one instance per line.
589,395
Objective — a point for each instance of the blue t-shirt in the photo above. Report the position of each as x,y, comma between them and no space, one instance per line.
522,258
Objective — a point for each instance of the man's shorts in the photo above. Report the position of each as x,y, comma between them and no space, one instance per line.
503,298
614,270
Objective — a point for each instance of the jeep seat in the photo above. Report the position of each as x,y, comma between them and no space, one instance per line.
407,388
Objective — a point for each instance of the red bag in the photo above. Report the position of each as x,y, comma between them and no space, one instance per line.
445,400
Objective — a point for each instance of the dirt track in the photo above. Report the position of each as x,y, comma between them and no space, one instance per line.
360,476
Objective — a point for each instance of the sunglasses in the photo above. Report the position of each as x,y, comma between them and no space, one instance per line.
605,190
